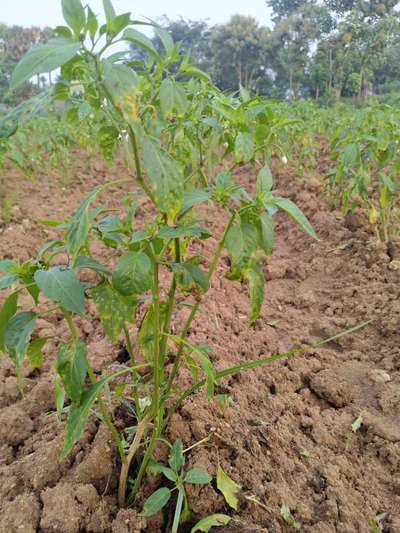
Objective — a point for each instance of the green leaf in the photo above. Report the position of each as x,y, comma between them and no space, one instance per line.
156,502
264,180
191,276
133,274
207,367
176,458
358,422
64,31
59,394
146,332
111,229
166,179
42,59
108,138
35,354
267,233
192,198
72,366
288,517
113,310
117,24
109,11
121,82
7,312
255,277
297,214
198,477
244,148
80,225
228,487
141,40
214,520
193,72
18,334
184,230
78,415
92,24
242,240
166,39
172,98
157,468
6,265
8,281
74,14
350,154
92,264
63,287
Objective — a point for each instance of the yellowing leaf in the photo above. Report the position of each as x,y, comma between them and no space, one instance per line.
214,520
228,487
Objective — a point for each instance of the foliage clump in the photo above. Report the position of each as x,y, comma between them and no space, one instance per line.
182,139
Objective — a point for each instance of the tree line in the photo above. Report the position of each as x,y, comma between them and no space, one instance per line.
330,49
313,49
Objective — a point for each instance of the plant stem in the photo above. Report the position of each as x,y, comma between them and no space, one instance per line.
259,362
170,305
103,410
71,325
107,419
220,247
179,353
145,461
123,479
138,165
195,308
131,353
157,370
178,510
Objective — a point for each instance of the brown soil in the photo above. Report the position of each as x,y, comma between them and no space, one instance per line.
286,435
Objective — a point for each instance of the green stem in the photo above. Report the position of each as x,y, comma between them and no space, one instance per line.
144,463
259,362
195,308
157,370
103,409
179,353
178,509
138,165
107,419
170,305
220,247
132,357
71,325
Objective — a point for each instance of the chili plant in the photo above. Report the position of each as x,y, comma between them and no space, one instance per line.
365,147
147,108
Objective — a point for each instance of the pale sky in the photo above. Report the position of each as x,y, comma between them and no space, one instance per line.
48,12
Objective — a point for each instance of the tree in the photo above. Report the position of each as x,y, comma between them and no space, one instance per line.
15,42
282,9
238,50
294,37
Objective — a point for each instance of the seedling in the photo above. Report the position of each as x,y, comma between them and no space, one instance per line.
177,475
175,127
355,426
375,523
288,517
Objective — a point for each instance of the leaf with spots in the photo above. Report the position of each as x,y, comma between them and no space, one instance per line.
113,309
72,366
166,179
